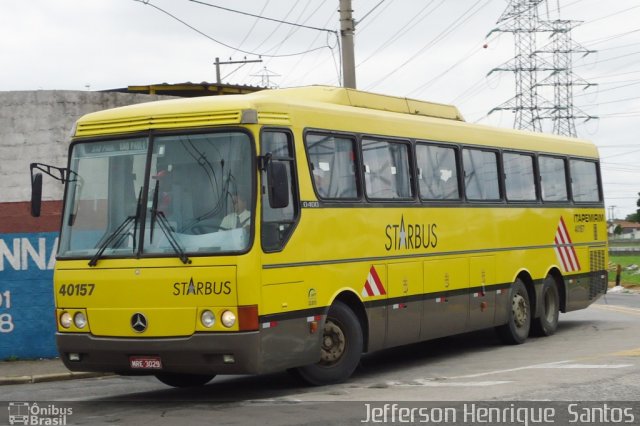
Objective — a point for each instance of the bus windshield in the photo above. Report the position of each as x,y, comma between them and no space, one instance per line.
196,198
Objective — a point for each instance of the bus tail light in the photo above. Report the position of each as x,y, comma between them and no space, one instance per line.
248,318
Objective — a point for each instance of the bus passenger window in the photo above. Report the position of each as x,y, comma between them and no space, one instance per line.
438,175
584,181
480,174
519,179
553,178
332,162
386,169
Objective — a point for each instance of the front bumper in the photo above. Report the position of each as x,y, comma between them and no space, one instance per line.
201,353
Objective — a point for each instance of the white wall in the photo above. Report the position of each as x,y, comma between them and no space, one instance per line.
35,127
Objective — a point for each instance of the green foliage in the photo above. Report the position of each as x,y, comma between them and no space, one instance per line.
633,217
628,277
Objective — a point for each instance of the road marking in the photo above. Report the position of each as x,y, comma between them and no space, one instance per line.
630,352
508,370
619,309
549,365
445,383
590,366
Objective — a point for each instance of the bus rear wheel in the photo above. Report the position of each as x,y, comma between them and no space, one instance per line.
516,330
547,323
342,344
184,380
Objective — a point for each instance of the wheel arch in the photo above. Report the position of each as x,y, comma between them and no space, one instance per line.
527,279
353,302
562,289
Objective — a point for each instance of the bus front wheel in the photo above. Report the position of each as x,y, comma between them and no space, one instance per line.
547,323
184,380
342,344
516,330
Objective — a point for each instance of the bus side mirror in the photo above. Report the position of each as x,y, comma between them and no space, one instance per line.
278,185
36,194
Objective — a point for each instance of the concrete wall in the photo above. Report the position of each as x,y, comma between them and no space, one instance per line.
35,127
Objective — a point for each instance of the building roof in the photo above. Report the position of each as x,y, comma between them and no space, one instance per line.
624,224
188,89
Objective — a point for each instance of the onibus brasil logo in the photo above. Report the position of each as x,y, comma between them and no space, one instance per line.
25,413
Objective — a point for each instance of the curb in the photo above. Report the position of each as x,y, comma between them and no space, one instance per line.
54,377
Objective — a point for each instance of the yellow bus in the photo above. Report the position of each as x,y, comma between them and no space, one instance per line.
297,229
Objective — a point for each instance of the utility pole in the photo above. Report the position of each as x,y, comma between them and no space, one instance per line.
347,28
218,63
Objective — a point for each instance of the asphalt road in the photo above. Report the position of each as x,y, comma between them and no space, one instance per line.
594,356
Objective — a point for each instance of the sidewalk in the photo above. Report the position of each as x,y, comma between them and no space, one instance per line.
38,371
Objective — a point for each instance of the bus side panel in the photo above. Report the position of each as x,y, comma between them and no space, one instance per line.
405,309
446,304
482,298
287,338
584,289
289,343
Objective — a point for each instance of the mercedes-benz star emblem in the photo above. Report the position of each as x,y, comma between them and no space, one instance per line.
139,322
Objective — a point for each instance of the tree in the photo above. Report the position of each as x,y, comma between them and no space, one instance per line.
618,230
633,217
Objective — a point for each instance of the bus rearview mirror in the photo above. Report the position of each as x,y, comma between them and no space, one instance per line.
278,185
36,194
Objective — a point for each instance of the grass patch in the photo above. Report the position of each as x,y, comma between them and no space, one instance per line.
629,276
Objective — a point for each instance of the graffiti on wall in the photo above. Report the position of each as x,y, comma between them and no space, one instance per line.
27,323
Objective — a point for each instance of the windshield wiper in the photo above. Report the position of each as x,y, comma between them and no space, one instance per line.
158,216
115,234
119,233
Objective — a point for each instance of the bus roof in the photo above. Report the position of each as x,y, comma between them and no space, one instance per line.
278,106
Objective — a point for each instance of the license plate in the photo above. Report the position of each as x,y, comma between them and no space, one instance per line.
145,362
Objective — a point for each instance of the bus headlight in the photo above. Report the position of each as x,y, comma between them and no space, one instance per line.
66,320
228,319
207,318
80,320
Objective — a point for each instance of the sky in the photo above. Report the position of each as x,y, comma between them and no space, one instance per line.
434,50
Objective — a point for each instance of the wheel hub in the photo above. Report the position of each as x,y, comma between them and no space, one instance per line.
333,343
519,306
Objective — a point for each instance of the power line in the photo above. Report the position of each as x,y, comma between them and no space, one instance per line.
292,30
404,29
291,69
255,22
453,26
148,3
612,14
260,17
370,21
609,38
369,12
608,59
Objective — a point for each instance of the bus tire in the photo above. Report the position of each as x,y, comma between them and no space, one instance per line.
547,323
184,380
342,344
516,330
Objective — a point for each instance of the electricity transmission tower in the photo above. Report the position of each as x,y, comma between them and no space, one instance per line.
521,18
563,112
